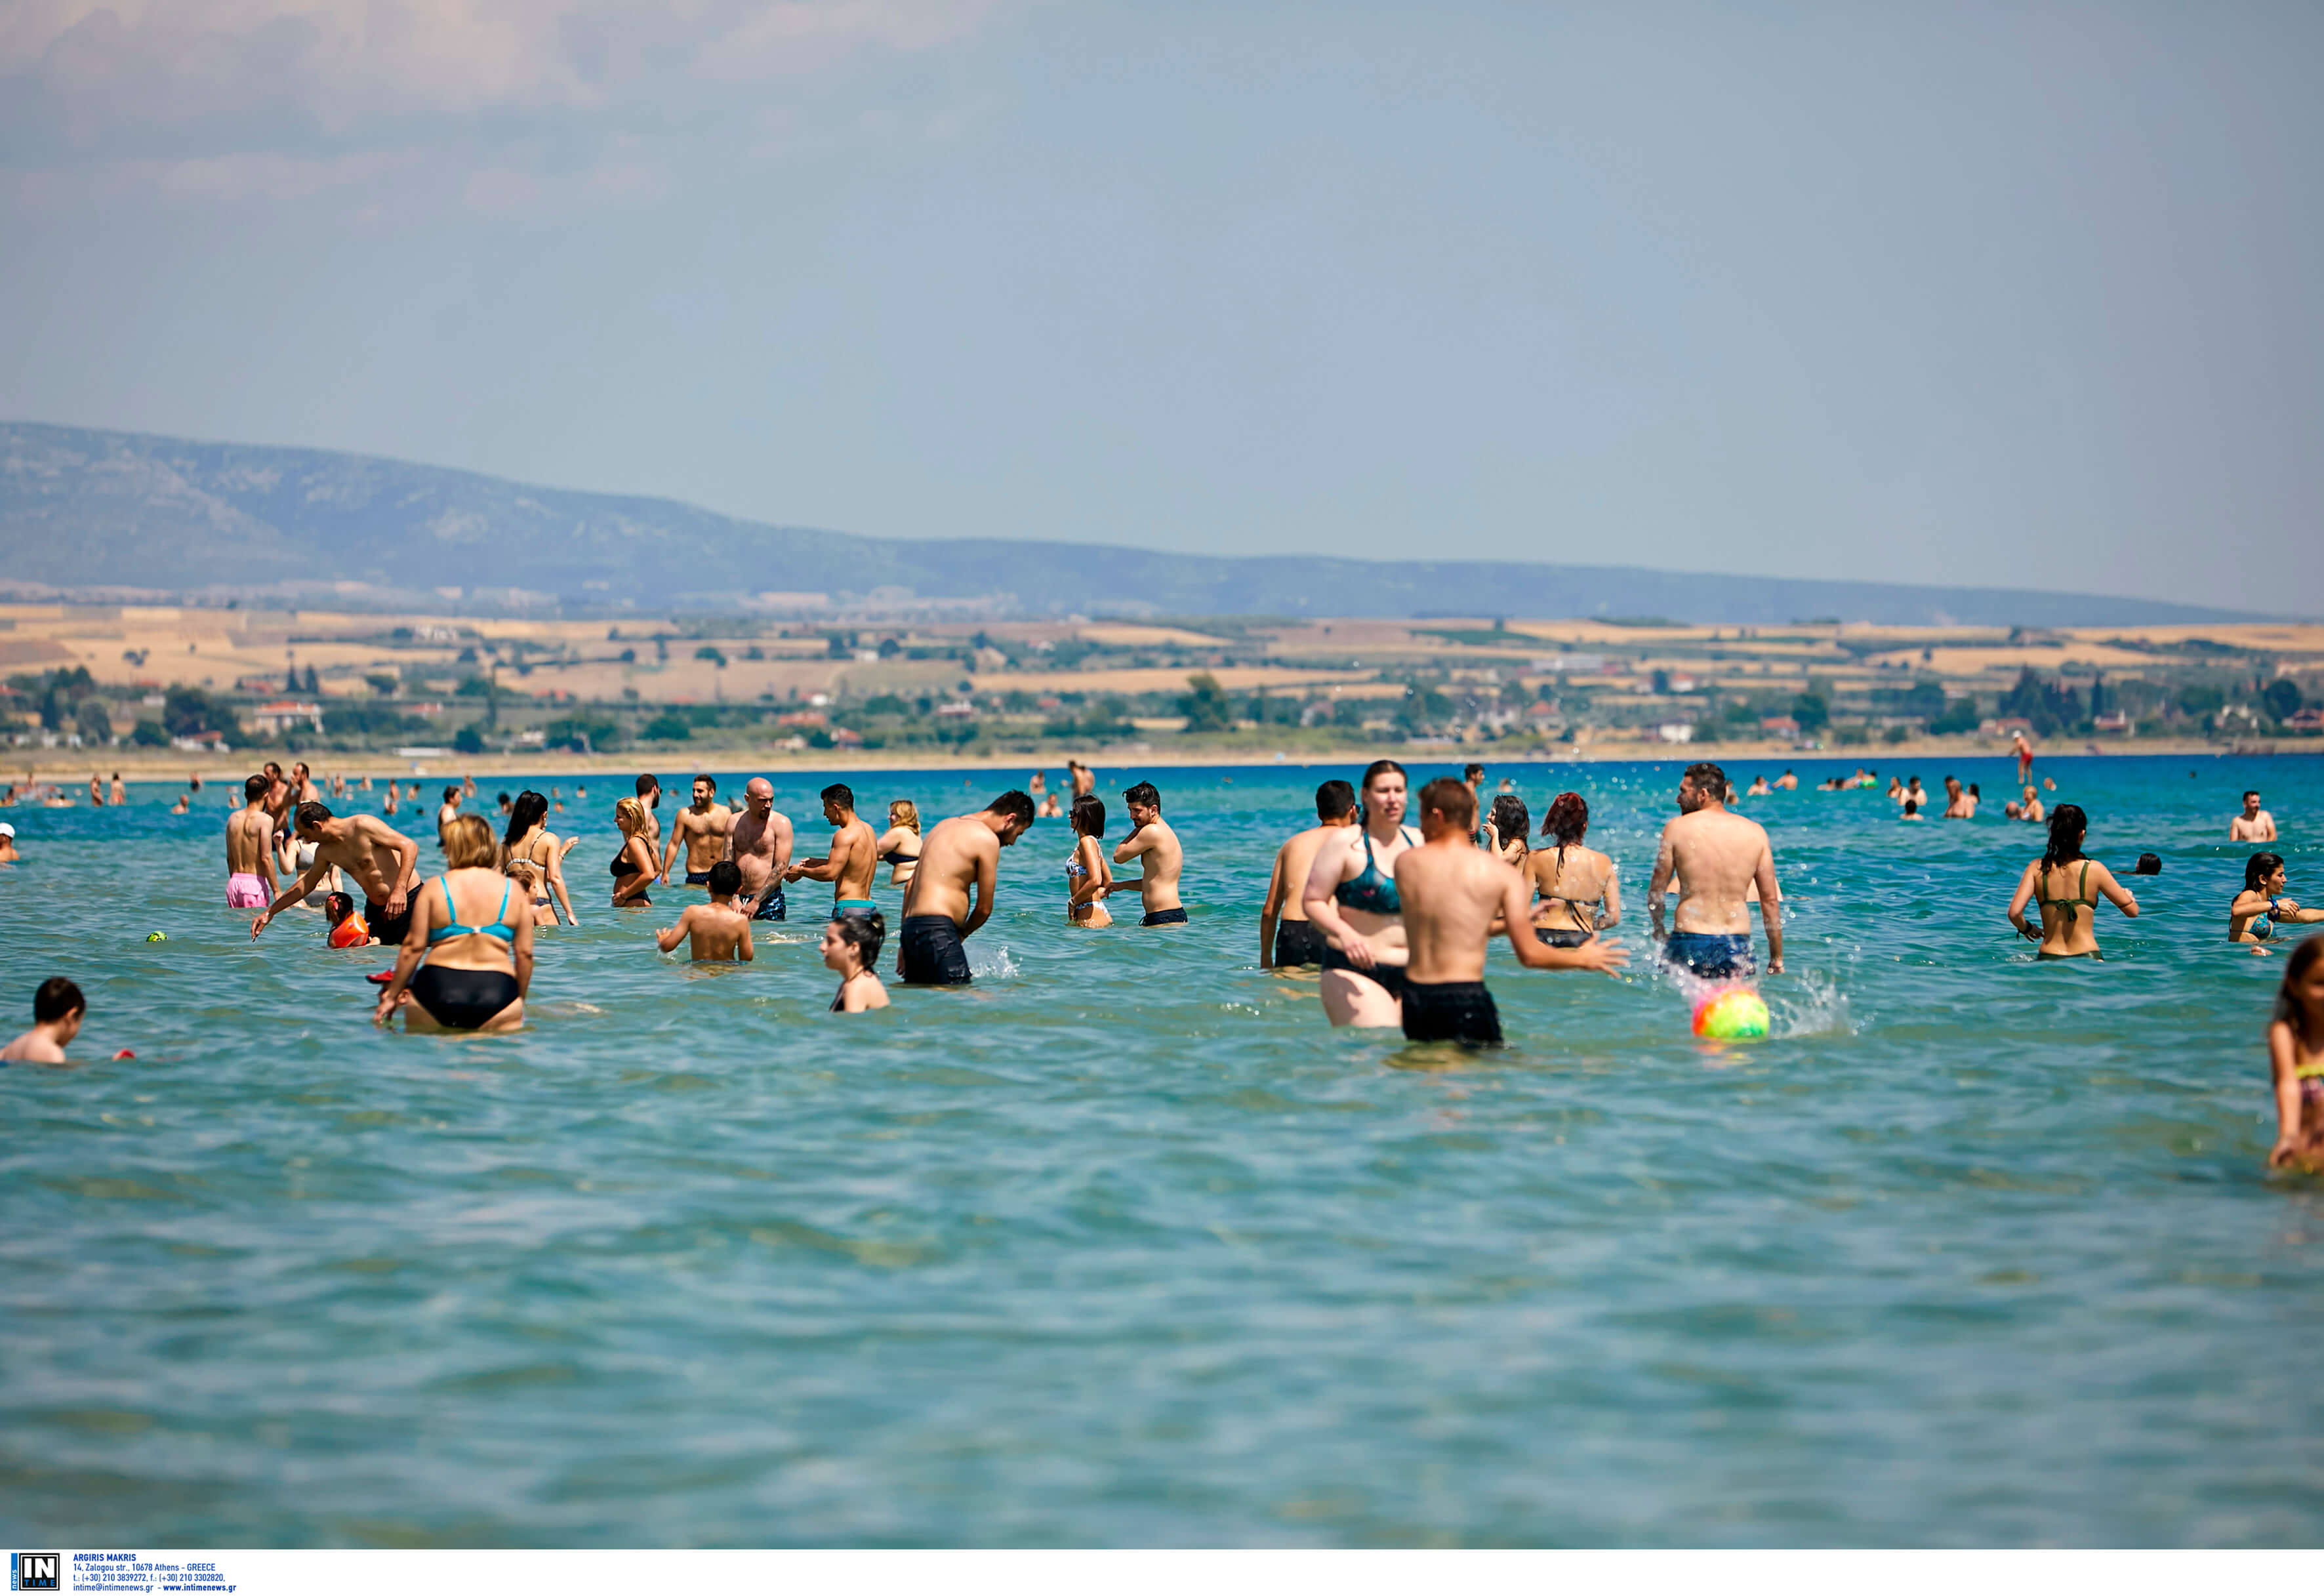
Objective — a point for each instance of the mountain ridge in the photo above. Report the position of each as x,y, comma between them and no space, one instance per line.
84,509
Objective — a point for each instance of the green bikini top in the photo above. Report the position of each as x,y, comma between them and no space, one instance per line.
2072,906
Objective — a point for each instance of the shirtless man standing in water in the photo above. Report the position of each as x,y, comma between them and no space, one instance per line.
1452,894
250,848
701,829
1288,939
961,854
2255,824
1720,857
761,844
853,858
1158,844
382,860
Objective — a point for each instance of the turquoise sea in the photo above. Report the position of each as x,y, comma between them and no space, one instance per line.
1124,1247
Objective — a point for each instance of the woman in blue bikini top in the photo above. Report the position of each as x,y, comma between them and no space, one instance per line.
2261,909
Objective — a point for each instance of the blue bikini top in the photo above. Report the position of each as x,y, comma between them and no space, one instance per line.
1370,890
500,928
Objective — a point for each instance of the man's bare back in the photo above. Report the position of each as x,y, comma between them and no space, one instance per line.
249,844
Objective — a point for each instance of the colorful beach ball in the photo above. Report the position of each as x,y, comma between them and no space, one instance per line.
1732,1014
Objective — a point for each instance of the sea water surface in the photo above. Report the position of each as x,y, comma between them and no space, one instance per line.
1124,1246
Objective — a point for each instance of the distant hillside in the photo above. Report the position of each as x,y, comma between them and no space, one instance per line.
82,509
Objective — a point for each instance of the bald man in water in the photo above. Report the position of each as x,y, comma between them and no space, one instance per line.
759,843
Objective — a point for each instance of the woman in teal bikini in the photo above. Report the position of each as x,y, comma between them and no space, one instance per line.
2066,887
476,936
2261,911
1351,898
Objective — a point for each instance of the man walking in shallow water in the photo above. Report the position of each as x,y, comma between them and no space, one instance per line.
1719,857
961,855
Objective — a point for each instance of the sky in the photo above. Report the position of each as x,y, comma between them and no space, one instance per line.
2017,295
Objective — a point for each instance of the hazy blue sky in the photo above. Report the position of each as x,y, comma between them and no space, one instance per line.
2024,295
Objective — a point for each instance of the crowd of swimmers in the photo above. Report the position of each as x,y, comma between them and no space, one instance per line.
1392,896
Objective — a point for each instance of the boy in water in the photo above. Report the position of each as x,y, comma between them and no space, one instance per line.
58,1009
1454,897
718,930
347,927
850,946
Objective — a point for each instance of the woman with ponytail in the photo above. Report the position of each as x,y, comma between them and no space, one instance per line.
2065,886
1578,895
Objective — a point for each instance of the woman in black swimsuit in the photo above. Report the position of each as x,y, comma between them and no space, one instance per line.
899,845
633,866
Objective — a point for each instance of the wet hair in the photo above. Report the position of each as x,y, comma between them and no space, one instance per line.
271,769
648,783
1912,806
1509,818
1089,816
863,932
1451,799
1145,794
632,811
2258,868
840,793
725,878
2253,793
1568,820
504,801
1708,778
2148,865
2068,825
256,787
58,996
312,814
1470,772
452,792
2287,1001
703,778
1973,792
905,813
337,907
1334,798
531,810
468,844
1012,804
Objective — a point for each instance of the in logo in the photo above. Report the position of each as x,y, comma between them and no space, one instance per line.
34,1571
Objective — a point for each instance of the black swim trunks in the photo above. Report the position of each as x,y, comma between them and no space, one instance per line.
932,954
698,878
772,907
1297,943
1459,1012
462,999
1165,917
390,929
1390,976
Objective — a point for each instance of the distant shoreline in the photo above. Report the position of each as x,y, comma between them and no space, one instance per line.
147,765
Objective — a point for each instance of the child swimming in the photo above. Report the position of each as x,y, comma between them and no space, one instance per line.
851,947
58,1009
718,931
2295,1056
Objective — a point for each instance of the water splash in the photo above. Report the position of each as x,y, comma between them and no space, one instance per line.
999,967
1809,1004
